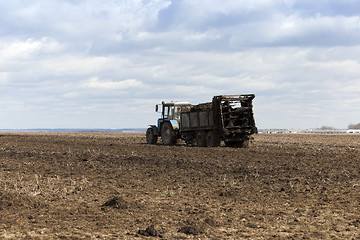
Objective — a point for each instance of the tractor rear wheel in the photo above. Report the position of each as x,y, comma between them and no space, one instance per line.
151,138
212,139
168,134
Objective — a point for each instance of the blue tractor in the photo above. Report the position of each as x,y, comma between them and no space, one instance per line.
168,124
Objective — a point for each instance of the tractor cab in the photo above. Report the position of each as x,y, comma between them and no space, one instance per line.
168,124
171,112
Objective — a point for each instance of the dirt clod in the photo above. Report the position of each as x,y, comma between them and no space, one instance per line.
116,202
150,231
191,230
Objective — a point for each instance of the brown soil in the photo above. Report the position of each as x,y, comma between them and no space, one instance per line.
114,186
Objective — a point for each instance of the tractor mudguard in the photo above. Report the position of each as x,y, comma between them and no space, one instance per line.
155,129
174,124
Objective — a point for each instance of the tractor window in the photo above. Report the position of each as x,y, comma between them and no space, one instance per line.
177,113
174,112
168,112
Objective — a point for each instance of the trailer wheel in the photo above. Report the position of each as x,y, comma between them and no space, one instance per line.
201,139
212,139
151,138
168,134
190,140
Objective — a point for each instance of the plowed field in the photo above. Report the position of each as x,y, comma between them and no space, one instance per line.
114,186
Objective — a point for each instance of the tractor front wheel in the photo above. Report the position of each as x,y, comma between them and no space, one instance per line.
151,138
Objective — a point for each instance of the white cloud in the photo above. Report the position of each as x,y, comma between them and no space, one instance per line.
20,49
4,77
72,60
112,85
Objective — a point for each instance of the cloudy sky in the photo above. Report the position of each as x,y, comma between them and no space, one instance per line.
105,64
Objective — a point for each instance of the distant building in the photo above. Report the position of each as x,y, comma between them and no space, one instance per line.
271,131
353,131
311,131
324,131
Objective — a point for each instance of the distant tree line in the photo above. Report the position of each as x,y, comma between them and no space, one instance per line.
354,126
325,128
